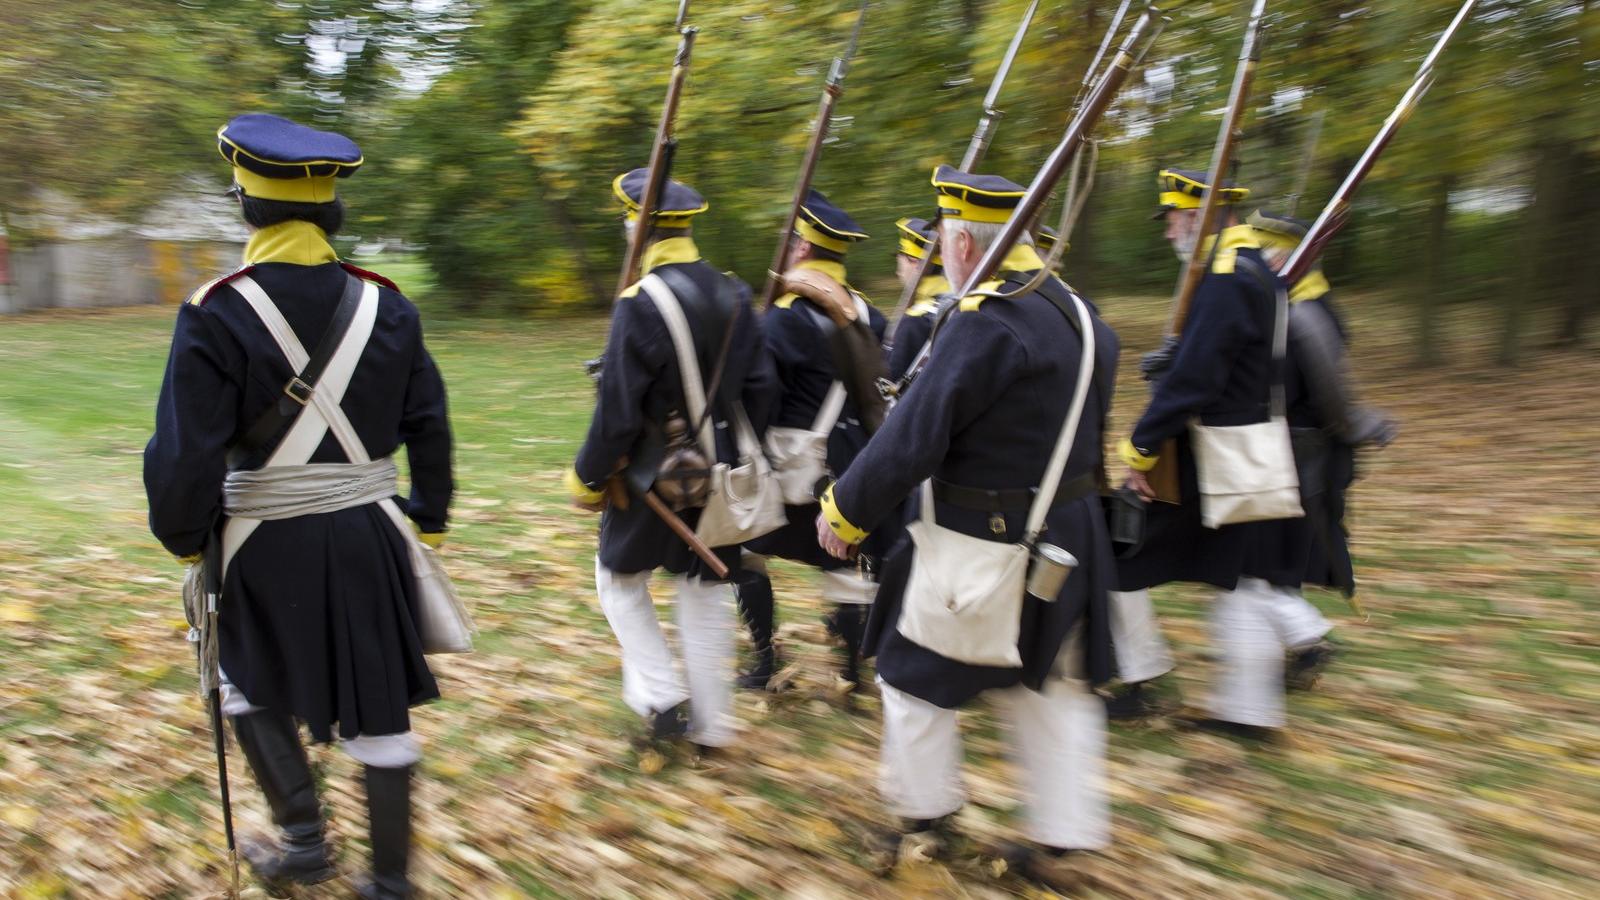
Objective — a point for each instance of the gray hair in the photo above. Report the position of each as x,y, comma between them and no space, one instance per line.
983,234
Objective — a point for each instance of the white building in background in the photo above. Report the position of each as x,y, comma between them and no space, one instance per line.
81,261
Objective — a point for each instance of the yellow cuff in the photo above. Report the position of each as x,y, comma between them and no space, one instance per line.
1136,461
841,526
580,491
434,539
189,560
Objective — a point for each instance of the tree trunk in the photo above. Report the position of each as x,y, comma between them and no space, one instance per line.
1582,295
1432,289
1555,180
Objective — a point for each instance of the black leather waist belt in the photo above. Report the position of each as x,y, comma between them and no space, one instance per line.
1002,500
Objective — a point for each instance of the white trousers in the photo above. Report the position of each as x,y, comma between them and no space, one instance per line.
1057,737
1299,624
383,751
1142,651
650,682
1248,687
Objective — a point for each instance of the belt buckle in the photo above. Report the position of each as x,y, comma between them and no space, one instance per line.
298,391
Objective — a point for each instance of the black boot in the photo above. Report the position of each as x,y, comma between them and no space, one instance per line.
670,724
389,827
754,592
271,744
851,622
1307,664
1142,700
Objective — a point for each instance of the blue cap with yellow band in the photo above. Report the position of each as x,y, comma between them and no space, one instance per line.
826,225
678,203
1183,188
276,159
915,236
975,198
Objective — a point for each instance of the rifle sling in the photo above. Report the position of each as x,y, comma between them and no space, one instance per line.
297,393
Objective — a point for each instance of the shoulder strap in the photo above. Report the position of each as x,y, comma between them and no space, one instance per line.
1274,288
694,397
679,284
297,393
1069,429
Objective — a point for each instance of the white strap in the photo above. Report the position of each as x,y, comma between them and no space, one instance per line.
694,392
1069,430
830,410
323,413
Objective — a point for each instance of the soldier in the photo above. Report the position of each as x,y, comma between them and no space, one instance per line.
640,392
1219,372
981,423
816,397
318,617
913,331
1327,428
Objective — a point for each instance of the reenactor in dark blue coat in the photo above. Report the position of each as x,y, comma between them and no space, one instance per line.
640,392
318,611
1327,427
981,421
797,333
916,235
1220,373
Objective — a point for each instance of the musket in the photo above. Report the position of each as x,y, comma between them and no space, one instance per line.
1337,212
1061,158
976,148
1221,155
831,89
1307,160
660,153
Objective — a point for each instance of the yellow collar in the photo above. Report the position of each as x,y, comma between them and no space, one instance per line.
1234,239
1021,258
828,267
670,251
294,241
930,287
1312,286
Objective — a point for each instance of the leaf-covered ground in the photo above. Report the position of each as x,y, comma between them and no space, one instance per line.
1454,749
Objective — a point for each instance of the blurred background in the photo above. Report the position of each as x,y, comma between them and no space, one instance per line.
492,131
1453,749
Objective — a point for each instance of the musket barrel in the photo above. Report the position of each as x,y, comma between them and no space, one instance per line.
1210,208
976,148
658,160
1099,99
1336,212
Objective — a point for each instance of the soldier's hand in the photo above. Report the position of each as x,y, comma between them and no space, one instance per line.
1154,364
1140,484
589,507
831,543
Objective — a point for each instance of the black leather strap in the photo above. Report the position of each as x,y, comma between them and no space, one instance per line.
1003,500
297,393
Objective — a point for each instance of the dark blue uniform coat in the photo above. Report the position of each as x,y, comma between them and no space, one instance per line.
317,614
1221,374
640,387
794,333
985,413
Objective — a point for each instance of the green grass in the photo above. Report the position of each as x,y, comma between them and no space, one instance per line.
1465,696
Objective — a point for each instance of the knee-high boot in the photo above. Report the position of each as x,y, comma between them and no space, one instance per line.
271,744
389,827
754,592
850,623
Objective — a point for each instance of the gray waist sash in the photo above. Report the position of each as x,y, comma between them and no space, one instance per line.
286,492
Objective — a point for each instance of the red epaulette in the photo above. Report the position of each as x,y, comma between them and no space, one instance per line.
198,298
370,276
